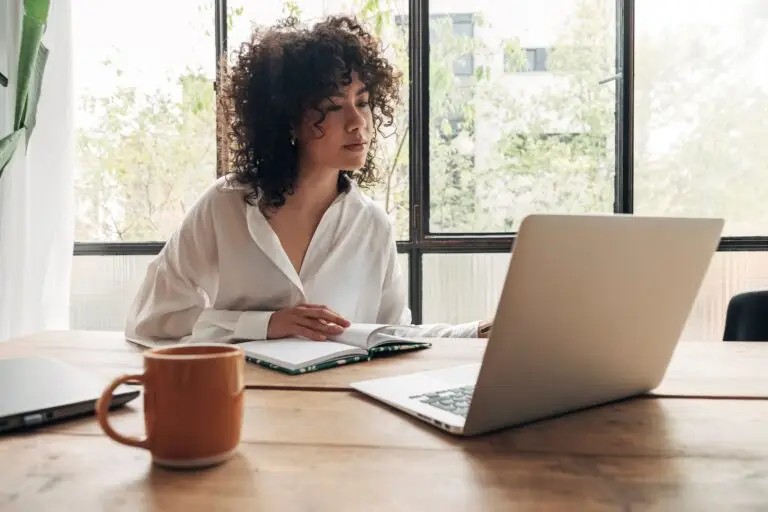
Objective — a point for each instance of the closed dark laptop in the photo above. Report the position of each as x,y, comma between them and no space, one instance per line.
35,391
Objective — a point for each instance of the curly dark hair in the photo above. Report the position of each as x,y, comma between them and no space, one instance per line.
281,73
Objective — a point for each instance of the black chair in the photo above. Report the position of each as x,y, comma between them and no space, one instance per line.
747,317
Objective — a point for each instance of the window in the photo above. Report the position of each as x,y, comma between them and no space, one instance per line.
700,111
451,35
527,107
463,30
536,59
146,146
387,21
533,59
512,153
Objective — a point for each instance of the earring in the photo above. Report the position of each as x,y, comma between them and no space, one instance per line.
293,141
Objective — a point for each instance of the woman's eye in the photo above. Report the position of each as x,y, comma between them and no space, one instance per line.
363,104
333,108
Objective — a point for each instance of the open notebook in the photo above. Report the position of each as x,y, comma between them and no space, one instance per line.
358,342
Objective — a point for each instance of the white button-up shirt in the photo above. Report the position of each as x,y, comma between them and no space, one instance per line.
224,272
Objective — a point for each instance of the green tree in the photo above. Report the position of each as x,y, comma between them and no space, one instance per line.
699,109
502,144
532,163
450,116
388,20
144,160
553,134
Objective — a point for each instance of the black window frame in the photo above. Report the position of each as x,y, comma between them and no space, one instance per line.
421,240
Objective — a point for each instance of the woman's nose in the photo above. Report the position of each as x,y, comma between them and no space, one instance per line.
355,120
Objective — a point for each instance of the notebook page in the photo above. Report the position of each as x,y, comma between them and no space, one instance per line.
295,352
396,334
357,334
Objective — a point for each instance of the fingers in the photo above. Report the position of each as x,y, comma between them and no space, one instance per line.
324,313
319,325
312,321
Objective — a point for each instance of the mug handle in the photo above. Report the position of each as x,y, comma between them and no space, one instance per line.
102,413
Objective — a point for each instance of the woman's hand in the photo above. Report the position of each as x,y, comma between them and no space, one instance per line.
313,321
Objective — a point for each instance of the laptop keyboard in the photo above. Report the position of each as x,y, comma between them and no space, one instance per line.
455,400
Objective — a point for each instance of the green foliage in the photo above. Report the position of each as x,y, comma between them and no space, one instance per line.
504,141
700,117
291,9
29,78
145,161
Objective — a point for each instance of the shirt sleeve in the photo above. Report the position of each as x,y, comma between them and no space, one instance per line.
394,304
173,300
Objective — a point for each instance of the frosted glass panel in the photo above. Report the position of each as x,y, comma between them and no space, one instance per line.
730,273
465,287
402,260
462,287
103,288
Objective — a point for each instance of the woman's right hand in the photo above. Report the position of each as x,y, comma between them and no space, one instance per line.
313,321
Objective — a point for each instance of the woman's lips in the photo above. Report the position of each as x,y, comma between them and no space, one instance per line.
355,147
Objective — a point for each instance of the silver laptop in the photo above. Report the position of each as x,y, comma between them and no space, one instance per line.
590,313
35,391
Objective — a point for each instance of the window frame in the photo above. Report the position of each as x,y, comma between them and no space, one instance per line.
421,240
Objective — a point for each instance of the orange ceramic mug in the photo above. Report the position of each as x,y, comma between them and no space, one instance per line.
193,404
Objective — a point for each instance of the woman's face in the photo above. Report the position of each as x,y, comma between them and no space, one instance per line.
344,136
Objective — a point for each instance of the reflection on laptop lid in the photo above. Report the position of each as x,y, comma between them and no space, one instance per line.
37,390
590,312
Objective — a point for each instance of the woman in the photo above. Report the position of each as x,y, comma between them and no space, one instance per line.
287,244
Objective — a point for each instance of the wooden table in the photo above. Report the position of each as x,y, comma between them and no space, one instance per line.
338,451
706,369
321,449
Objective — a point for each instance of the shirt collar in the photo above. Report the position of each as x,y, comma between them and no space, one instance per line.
265,237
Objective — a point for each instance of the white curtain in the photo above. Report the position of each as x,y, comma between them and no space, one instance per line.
37,188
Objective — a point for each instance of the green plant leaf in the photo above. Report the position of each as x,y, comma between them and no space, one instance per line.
33,27
37,9
8,147
35,86
33,56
